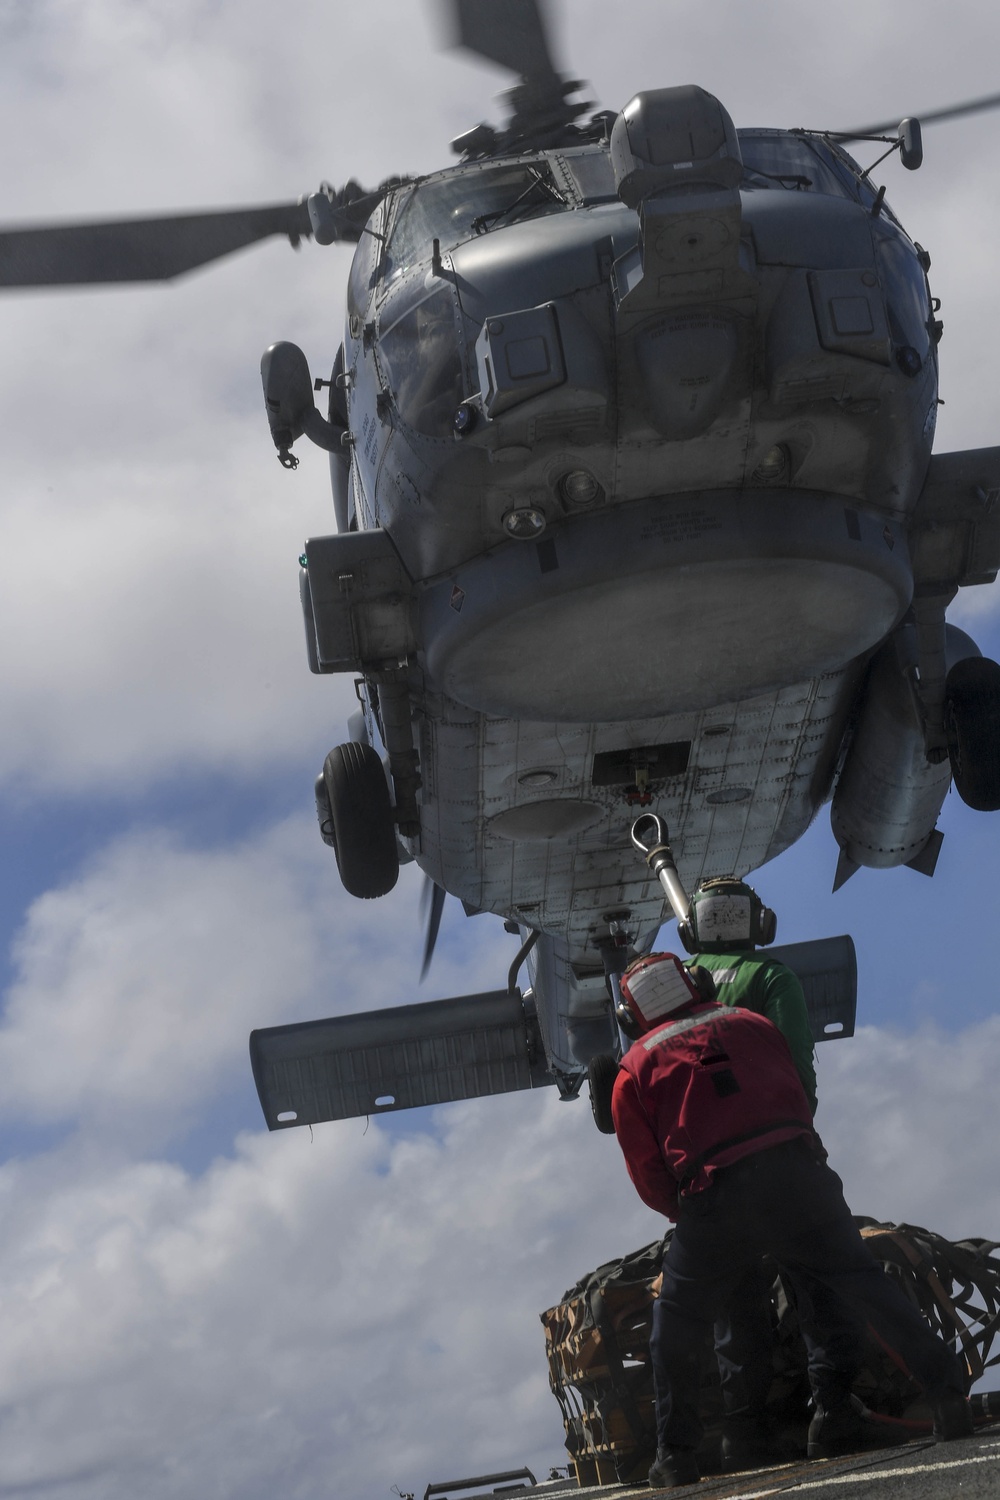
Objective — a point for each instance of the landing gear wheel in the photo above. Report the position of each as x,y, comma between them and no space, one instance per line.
972,724
602,1071
324,812
363,827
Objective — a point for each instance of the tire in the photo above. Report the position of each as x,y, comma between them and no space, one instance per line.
972,724
602,1071
363,826
324,812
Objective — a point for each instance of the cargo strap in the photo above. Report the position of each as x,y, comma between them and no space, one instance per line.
969,1268
641,1431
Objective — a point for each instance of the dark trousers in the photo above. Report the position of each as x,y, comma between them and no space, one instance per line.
786,1203
833,1334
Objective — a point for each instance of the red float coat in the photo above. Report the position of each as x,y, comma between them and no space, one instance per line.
710,1085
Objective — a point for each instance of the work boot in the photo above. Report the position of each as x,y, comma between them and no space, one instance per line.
745,1444
835,1430
952,1416
672,1467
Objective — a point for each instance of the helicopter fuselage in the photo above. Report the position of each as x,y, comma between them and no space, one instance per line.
649,476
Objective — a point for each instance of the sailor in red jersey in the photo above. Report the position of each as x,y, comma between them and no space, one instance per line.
717,1135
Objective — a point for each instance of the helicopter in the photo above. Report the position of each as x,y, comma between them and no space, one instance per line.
630,443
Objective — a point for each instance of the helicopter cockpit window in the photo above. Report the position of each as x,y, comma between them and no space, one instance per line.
419,350
462,204
361,281
778,160
906,294
592,173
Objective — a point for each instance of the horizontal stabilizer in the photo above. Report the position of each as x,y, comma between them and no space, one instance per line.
827,969
384,1060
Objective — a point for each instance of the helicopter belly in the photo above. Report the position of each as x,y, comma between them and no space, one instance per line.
763,589
530,820
752,777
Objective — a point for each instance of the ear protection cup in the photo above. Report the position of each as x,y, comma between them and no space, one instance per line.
767,926
704,982
686,933
627,1021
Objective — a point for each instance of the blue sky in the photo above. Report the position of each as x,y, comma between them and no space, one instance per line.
188,1305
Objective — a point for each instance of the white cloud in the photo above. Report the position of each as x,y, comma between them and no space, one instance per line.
138,982
136,979
907,1120
348,1311
148,574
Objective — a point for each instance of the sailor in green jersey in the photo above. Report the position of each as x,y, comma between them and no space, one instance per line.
728,920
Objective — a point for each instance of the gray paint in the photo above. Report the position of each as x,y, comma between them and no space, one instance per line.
707,594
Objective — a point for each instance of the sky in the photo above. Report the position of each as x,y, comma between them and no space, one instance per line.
188,1305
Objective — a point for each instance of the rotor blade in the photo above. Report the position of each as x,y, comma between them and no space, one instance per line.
929,117
508,32
433,901
139,249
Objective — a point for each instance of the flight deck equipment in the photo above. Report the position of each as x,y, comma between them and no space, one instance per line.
448,1487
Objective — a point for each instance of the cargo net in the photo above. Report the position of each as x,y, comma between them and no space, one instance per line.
597,1341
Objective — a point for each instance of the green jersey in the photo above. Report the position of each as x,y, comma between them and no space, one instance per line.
769,987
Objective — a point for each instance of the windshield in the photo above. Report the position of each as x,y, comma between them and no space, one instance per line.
420,351
468,202
907,294
778,159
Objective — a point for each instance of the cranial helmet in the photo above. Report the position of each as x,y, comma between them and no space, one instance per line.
654,987
726,913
